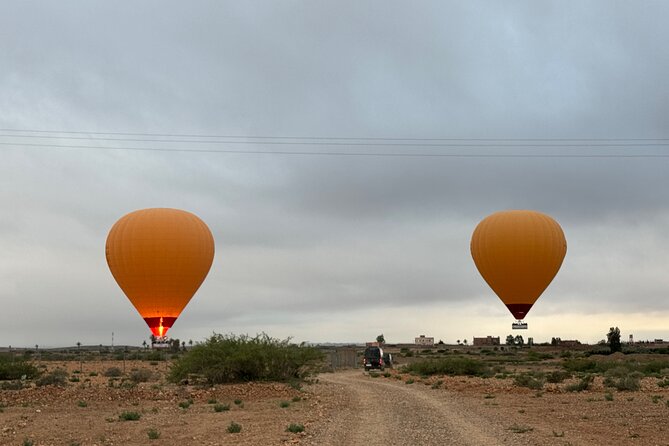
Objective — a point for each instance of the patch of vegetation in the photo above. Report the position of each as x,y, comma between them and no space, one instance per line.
230,358
234,428
529,381
82,403
656,398
557,376
221,407
153,434
212,401
296,399
374,375
284,404
608,396
113,372
141,376
56,378
518,429
16,369
409,381
455,366
185,404
558,434
295,428
621,379
583,384
130,416
437,384
28,442
238,402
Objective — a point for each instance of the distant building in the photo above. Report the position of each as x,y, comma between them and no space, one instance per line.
425,341
488,340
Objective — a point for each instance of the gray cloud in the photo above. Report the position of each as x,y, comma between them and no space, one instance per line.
302,239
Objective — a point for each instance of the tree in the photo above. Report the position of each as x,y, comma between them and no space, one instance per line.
613,339
380,339
509,340
458,341
519,341
464,342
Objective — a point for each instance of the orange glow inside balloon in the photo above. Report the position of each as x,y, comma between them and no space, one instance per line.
159,258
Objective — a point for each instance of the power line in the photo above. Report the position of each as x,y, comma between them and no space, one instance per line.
319,138
348,154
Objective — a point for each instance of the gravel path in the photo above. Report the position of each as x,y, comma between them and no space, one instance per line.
376,412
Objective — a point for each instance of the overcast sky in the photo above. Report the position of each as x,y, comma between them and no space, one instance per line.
335,248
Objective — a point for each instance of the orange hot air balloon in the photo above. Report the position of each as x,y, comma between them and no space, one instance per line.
518,253
159,257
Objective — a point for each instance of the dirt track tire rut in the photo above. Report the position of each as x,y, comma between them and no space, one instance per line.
376,412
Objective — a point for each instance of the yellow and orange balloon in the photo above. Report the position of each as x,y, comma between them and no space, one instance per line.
159,257
518,253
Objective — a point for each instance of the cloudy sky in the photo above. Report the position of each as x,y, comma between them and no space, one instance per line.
299,131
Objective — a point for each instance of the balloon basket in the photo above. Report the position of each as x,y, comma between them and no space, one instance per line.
519,325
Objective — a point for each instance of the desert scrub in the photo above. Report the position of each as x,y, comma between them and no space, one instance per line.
296,399
16,370
113,372
141,376
529,381
153,434
82,403
130,416
230,358
450,366
56,378
212,401
185,404
295,428
583,384
284,404
557,376
621,379
234,428
238,402
221,407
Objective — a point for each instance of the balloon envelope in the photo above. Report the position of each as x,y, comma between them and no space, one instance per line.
518,253
159,257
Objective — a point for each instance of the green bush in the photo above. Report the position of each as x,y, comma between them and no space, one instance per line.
295,428
153,434
130,416
582,385
221,407
234,428
17,369
141,375
113,372
557,376
630,381
529,381
284,404
56,378
230,358
450,366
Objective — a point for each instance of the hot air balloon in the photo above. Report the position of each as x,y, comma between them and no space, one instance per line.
518,253
159,257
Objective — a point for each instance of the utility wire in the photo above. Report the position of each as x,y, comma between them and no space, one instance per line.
389,142
350,154
319,138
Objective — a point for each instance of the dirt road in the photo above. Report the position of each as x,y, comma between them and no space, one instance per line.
381,412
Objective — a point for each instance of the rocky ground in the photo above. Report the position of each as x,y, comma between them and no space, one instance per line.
349,407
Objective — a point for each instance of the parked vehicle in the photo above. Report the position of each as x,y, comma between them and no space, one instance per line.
373,358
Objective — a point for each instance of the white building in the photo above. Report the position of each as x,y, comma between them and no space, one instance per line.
423,340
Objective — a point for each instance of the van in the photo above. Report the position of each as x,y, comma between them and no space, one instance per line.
373,358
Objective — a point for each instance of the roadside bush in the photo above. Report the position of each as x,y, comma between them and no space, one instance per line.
230,358
56,378
16,370
582,385
557,376
627,381
529,381
450,366
113,372
140,376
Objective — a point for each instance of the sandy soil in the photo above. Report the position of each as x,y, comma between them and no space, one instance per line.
349,407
